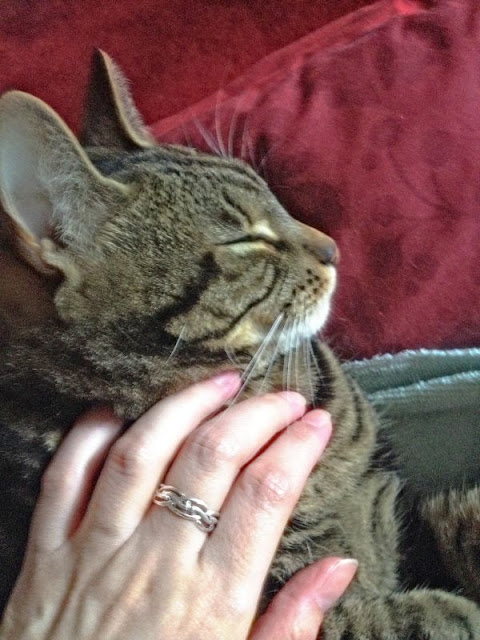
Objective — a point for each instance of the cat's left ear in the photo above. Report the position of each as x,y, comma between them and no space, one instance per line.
111,118
50,192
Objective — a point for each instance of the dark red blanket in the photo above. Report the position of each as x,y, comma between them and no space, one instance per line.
368,128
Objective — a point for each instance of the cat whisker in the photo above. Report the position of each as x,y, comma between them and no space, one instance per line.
292,363
176,346
291,345
307,356
285,354
309,552
232,357
320,375
127,335
261,350
249,370
272,359
298,343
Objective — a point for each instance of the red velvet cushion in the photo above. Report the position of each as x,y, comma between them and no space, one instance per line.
174,52
369,129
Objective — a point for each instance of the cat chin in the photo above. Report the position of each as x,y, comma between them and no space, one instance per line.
316,319
306,327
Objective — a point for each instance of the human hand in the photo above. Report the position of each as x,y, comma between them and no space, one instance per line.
104,562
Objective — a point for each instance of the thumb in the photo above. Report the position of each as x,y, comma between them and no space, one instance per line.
298,609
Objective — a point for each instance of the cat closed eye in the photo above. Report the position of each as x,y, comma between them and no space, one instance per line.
249,242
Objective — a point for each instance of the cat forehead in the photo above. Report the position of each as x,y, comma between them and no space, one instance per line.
215,181
176,161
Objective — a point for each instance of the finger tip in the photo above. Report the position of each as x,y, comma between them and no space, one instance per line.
336,576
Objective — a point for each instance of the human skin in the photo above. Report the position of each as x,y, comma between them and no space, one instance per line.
104,562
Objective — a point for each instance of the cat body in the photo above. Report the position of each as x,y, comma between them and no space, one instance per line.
130,270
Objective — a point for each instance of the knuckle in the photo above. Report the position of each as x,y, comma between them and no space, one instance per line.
302,431
203,395
267,487
128,458
212,448
300,630
238,603
275,402
302,625
103,528
57,478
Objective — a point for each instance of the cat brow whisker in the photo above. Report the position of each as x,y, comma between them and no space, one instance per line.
233,126
251,155
246,144
242,145
186,135
262,163
207,138
218,130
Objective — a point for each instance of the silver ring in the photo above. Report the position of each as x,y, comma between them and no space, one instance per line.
189,508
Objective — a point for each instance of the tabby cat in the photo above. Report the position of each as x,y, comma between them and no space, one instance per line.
130,269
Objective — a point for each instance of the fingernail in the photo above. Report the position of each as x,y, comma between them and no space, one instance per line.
335,582
318,418
228,380
293,398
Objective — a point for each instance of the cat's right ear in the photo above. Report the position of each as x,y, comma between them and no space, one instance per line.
111,118
50,191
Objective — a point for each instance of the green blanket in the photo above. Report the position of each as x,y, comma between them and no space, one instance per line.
430,402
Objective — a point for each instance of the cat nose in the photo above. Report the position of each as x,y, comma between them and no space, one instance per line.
321,246
326,251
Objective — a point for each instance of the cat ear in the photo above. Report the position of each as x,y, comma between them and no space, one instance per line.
48,186
111,119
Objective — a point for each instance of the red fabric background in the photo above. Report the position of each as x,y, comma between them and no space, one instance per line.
367,128
175,52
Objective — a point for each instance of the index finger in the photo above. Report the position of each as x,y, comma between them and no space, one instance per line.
139,459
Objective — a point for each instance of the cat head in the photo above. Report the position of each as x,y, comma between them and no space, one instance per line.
147,258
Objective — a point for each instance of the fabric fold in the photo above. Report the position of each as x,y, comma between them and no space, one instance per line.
429,401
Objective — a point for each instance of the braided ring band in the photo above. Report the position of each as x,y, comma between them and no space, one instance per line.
189,508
